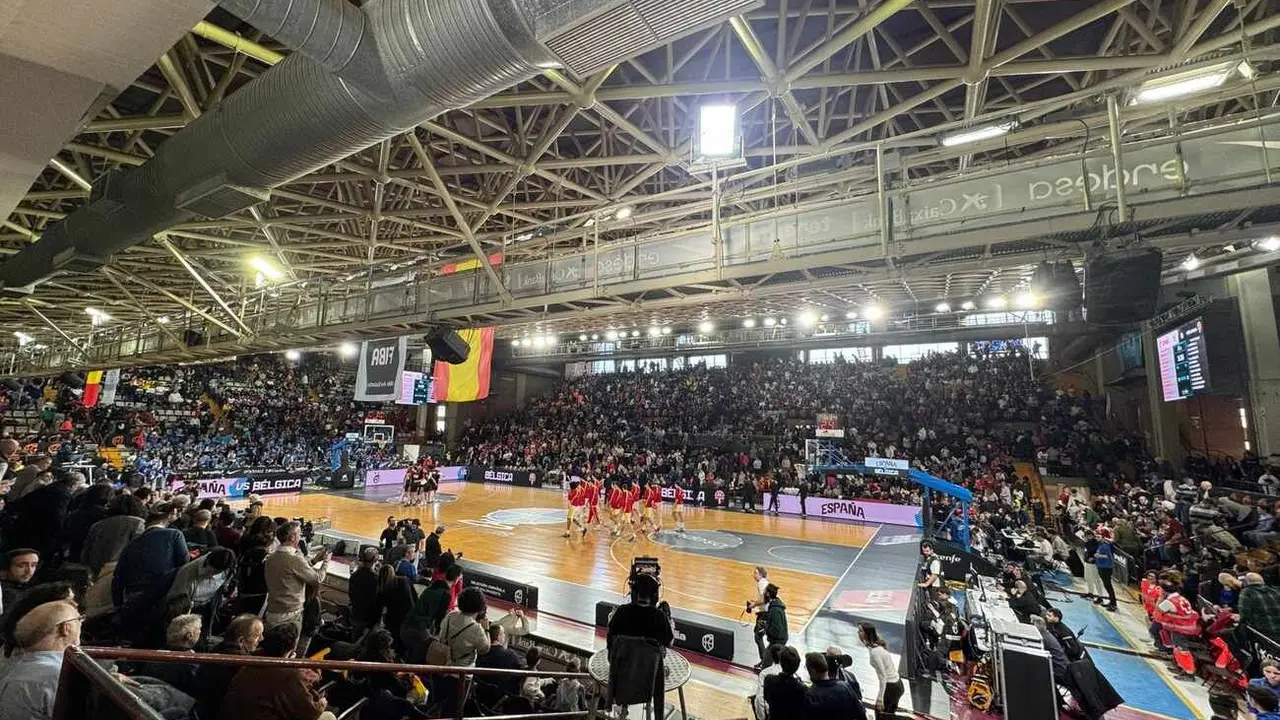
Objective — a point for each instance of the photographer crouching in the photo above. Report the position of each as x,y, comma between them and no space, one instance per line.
638,636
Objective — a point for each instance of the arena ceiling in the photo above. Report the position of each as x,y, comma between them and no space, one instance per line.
548,167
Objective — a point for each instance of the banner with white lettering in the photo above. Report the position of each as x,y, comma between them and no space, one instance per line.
381,362
110,382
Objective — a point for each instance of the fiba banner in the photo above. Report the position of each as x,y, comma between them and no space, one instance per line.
381,362
469,380
500,476
827,425
691,636
861,510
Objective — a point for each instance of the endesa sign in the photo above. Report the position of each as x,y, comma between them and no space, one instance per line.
239,487
861,510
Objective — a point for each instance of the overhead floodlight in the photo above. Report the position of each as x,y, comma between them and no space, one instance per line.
515,343
292,355
623,212
873,312
1270,244
635,333
968,305
749,323
851,315
666,329
594,337
997,302
1026,300
654,331
705,327
163,319
1187,83
1191,263
97,316
582,337
717,131
825,317
770,322
611,335
348,350
807,319
978,134
942,307
265,267
23,338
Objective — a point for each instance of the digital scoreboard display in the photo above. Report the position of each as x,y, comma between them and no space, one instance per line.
416,389
1184,361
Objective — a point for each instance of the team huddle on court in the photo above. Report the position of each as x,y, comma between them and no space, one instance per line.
631,508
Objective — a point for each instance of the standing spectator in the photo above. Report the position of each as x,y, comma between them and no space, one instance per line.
785,692
1104,559
408,565
146,567
93,508
423,621
828,698
362,589
108,537
642,619
890,683
291,578
199,532
465,632
395,595
390,536
36,519
29,681
1260,606
432,550
770,669
775,624
224,528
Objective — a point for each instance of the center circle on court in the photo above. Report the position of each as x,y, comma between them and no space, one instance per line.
441,499
698,539
798,554
527,516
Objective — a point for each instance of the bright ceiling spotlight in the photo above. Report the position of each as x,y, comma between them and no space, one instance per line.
873,312
942,307
265,267
968,305
1182,84
1026,300
23,338
1270,244
666,329
582,337
292,355
163,319
623,212
706,327
348,350
825,317
770,322
654,331
1191,263
515,343
807,319
611,335
749,323
717,131
997,302
851,315
96,316
635,333
595,336
978,134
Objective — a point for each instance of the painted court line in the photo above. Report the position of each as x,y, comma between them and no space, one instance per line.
839,580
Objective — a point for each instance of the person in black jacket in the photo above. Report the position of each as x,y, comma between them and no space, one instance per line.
1022,602
93,507
362,590
784,693
775,625
492,691
642,618
829,698
37,519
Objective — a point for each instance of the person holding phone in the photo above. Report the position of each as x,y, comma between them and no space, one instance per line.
291,577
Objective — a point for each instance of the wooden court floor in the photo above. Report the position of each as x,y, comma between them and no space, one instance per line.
486,523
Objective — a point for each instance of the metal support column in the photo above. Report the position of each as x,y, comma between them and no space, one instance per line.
1117,157
882,201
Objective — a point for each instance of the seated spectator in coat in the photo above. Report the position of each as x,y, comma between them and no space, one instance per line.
784,693
829,698
493,690
181,636
29,681
203,582
212,681
19,575
199,532
275,693
1260,606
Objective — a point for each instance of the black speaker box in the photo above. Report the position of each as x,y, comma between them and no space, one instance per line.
75,381
1122,288
1056,282
447,346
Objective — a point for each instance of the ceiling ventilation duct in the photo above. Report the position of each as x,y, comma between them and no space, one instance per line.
357,77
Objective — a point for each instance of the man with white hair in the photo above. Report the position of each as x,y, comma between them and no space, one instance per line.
1259,606
29,681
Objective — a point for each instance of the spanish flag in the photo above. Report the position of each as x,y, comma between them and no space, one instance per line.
466,381
92,388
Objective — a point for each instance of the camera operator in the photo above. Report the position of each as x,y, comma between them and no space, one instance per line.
838,665
640,620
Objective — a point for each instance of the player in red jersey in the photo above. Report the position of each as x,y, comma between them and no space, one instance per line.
631,510
617,502
577,500
593,502
653,507
677,511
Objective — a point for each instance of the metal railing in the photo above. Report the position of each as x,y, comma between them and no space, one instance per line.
86,691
